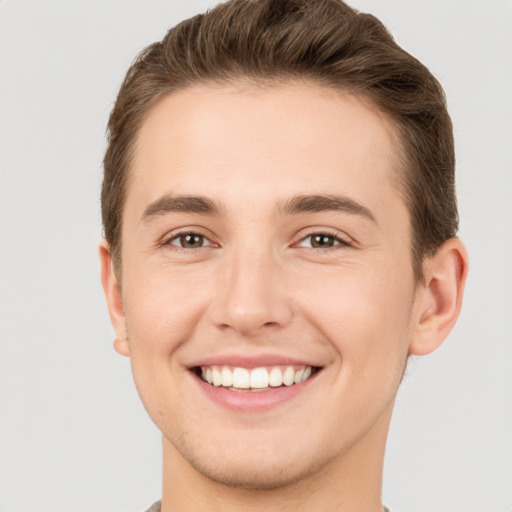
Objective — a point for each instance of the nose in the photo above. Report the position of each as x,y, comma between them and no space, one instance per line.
251,294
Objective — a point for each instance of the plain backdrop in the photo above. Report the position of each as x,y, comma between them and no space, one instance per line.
73,435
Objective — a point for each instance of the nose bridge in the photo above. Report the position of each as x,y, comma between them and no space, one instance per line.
250,290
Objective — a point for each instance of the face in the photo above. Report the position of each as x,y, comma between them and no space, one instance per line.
267,286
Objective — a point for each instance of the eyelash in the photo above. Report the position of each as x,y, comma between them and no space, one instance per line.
339,241
176,236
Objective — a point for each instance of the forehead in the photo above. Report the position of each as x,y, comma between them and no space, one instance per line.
250,143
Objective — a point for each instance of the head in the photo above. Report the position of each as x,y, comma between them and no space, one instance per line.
278,195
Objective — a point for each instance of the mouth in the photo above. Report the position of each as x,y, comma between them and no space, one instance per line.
264,378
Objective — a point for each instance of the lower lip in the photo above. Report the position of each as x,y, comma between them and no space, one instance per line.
253,400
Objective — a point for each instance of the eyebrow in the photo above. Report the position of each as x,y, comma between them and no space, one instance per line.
293,206
184,204
323,202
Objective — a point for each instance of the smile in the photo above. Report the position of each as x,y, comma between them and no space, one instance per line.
254,379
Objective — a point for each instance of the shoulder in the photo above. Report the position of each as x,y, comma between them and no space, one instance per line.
156,507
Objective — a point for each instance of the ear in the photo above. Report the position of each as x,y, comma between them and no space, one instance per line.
112,290
439,299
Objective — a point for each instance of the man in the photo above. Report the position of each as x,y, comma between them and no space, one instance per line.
280,221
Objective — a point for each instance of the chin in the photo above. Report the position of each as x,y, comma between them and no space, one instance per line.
248,476
257,469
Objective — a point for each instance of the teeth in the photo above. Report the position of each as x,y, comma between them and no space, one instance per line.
288,376
241,378
298,376
275,377
217,379
257,378
227,377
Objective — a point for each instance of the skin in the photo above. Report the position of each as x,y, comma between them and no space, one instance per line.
258,285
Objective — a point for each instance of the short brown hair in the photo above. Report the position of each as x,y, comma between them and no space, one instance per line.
324,42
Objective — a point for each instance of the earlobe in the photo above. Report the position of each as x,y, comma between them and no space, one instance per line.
439,300
122,347
112,290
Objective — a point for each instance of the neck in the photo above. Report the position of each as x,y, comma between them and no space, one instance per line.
350,481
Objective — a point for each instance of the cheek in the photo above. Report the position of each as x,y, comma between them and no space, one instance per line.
363,316
163,310
364,313
161,303
162,313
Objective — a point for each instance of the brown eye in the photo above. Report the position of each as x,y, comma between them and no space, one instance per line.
189,241
322,241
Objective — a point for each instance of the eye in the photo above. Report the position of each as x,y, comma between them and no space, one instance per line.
189,241
321,241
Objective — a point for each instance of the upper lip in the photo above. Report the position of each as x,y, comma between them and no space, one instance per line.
254,361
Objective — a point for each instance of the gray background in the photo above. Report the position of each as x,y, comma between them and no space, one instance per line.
73,436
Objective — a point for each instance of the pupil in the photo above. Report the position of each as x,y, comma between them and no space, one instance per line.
191,240
322,241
